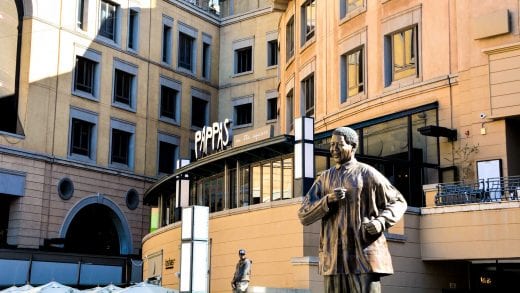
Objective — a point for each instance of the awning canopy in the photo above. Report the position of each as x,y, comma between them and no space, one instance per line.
214,163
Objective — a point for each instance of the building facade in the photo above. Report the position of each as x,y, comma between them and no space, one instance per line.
431,87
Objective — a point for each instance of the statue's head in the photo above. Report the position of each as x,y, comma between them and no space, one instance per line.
343,144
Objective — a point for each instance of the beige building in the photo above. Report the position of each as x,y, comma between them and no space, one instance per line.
432,89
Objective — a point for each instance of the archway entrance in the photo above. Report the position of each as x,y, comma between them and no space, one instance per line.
93,231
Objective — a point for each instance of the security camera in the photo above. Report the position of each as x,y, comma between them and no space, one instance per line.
482,115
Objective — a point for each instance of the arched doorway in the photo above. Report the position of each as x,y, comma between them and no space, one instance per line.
93,231
96,225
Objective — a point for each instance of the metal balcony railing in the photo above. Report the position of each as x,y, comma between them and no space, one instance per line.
206,5
489,190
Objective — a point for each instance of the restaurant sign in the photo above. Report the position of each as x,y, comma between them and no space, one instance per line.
212,138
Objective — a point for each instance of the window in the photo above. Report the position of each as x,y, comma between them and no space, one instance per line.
290,111
243,111
206,60
168,153
82,17
187,47
289,39
125,85
349,6
402,49
169,110
167,40
404,52
308,95
122,144
243,60
83,133
86,74
199,108
272,53
109,21
352,74
308,20
133,29
272,105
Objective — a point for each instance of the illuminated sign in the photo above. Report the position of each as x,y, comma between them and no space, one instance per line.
218,133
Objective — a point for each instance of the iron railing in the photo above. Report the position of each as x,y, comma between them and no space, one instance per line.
488,190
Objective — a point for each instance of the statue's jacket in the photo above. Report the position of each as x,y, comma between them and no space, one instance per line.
345,246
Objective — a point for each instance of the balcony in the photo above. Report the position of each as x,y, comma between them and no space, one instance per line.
489,190
210,6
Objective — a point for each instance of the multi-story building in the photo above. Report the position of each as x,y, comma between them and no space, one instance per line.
97,98
432,89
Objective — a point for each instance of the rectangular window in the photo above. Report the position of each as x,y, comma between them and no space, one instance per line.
277,180
289,38
308,20
272,53
133,29
244,187
81,137
243,60
108,20
123,84
272,109
290,111
120,147
206,53
199,112
169,102
404,52
166,157
167,40
287,178
266,182
82,17
243,114
348,6
352,74
186,51
84,75
308,95
256,184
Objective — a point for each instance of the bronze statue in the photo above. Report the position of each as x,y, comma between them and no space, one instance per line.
355,204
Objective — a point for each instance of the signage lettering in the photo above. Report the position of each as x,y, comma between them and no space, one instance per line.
219,135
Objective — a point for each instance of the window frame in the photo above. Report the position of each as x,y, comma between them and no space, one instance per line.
166,40
289,40
413,51
237,102
271,95
173,140
192,33
307,36
346,14
94,57
128,128
85,116
241,46
305,82
174,85
132,70
82,12
204,96
289,109
345,74
270,54
133,29
115,39
207,41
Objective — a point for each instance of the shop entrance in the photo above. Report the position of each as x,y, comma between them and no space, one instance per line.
494,277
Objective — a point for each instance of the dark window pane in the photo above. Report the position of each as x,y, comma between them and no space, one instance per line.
132,30
84,75
168,102
308,93
289,38
205,60
244,114
81,137
198,112
123,87
272,48
120,146
167,31
272,109
166,157
185,51
244,60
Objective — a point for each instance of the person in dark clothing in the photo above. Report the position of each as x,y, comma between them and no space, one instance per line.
241,278
355,204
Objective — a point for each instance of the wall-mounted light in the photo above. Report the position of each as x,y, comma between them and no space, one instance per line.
303,154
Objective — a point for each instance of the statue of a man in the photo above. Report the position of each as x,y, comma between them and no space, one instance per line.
355,204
